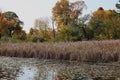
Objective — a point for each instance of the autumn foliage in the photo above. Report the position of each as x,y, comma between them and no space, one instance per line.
70,26
10,25
64,12
104,24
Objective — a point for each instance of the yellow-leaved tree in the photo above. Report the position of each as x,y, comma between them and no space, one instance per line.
104,24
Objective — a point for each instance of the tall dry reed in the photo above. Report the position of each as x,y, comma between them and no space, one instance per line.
85,51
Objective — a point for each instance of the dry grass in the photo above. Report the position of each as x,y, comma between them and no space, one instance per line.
85,51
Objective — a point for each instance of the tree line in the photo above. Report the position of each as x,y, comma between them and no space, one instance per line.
70,25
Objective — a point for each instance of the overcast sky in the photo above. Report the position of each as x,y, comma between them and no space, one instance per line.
29,10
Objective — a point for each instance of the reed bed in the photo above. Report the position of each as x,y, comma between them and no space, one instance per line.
85,51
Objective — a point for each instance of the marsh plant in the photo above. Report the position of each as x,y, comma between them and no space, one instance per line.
85,51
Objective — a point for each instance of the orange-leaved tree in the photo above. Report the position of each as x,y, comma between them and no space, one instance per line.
64,12
9,24
105,24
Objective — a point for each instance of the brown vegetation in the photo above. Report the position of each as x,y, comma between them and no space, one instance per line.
85,51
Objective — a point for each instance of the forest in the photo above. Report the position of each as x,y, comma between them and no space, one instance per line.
67,25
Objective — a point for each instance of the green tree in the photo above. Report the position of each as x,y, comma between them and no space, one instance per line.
68,33
118,5
34,35
13,22
41,31
19,34
81,24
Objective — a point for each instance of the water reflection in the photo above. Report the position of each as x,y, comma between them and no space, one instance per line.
48,75
27,73
33,73
44,72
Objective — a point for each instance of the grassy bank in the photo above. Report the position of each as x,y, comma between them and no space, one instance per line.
85,51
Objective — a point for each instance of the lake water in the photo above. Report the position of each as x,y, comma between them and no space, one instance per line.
34,69
32,73
27,73
47,73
